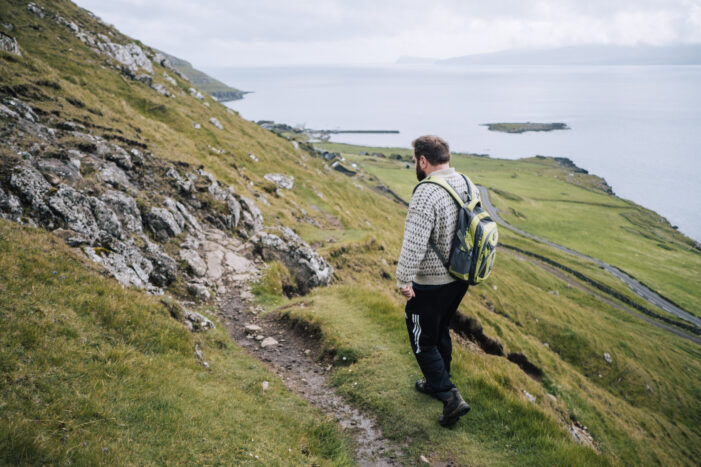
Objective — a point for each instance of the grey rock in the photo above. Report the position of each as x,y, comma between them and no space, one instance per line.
36,10
65,170
9,203
130,55
268,342
162,223
160,89
196,94
169,78
607,357
164,267
9,44
171,206
234,208
31,186
198,291
75,209
190,243
125,263
6,112
216,123
120,157
280,180
252,329
252,217
197,322
113,175
70,25
125,208
107,221
308,267
25,111
195,263
9,26
183,184
192,223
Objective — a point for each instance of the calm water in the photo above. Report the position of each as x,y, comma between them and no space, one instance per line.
638,127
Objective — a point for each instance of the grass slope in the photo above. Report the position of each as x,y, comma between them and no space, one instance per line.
141,381
95,374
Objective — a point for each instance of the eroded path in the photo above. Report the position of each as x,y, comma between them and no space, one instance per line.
289,351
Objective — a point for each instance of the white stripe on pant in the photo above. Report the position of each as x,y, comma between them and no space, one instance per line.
417,331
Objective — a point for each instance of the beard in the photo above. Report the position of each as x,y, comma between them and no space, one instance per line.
420,174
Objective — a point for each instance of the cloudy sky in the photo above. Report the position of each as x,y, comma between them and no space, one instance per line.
268,32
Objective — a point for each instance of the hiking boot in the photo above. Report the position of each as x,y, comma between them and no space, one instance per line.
422,386
453,408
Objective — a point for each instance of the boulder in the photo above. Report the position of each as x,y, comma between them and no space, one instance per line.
196,322
251,216
124,262
195,263
196,94
216,123
113,175
9,44
160,89
62,169
131,55
307,266
23,110
36,10
169,79
268,342
198,291
280,180
164,267
10,204
84,214
179,219
162,223
125,208
184,185
31,186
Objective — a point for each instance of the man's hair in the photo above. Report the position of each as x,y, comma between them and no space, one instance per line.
434,148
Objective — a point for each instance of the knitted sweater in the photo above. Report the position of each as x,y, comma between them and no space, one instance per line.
433,214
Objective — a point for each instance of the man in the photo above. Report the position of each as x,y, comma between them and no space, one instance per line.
432,294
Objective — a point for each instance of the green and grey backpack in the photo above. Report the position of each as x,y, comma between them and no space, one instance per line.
475,241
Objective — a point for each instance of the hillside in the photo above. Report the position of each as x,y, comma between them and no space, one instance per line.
147,229
212,86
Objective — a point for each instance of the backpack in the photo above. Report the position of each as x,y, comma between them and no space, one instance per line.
475,241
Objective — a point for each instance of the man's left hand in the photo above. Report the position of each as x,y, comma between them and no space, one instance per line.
408,292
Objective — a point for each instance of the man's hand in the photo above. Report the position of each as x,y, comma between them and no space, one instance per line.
408,292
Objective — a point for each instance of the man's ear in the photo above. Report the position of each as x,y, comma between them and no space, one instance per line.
422,161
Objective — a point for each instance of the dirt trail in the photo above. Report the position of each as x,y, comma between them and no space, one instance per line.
293,358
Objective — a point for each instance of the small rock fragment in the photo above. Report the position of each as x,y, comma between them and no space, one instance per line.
268,342
607,357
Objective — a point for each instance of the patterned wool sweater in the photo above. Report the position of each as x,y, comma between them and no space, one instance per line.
433,214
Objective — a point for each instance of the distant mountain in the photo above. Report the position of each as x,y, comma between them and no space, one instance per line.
687,54
215,88
410,60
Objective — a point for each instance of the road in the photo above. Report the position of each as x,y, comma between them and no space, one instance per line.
637,288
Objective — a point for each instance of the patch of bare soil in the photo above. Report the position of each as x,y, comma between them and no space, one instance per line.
291,351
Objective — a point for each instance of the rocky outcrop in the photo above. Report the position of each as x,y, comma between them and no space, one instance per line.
307,266
121,206
281,181
9,44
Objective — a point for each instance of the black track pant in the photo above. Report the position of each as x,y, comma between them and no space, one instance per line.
428,317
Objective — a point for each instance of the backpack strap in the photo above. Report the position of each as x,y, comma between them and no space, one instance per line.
441,182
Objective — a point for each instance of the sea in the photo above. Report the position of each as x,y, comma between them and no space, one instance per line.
639,127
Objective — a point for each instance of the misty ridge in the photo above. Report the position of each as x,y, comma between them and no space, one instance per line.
640,55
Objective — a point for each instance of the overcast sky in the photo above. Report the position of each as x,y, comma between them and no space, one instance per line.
212,33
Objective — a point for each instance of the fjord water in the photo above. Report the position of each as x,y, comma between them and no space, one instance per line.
639,127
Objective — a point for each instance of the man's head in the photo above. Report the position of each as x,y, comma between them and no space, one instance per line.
430,153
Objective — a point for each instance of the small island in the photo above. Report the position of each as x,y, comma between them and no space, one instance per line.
524,127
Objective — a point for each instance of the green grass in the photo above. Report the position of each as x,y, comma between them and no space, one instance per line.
96,374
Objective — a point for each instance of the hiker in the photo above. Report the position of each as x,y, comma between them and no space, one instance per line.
432,293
